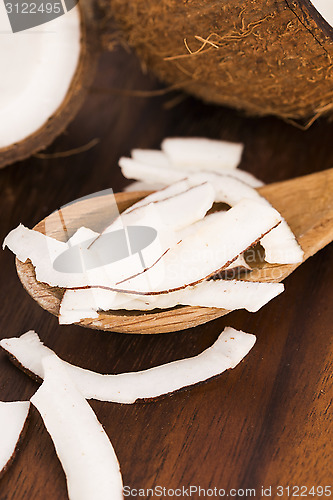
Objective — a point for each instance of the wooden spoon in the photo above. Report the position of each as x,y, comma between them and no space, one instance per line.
305,202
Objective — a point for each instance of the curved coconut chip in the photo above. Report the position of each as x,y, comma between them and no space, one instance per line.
230,295
153,157
13,416
132,169
83,448
91,262
216,244
281,246
167,193
198,153
227,351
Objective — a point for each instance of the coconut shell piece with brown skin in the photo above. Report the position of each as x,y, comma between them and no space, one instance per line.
261,56
82,79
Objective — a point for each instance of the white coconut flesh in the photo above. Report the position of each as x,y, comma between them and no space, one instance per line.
325,8
197,153
223,294
153,157
143,186
280,245
227,351
196,257
164,216
38,65
82,446
167,193
132,169
13,416
208,250
176,206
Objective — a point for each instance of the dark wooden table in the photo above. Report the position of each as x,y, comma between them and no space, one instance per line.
265,423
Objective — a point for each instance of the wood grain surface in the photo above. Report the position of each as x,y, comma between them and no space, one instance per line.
265,423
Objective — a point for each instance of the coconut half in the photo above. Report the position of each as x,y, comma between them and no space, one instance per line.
227,351
47,70
261,56
325,8
143,186
13,416
83,448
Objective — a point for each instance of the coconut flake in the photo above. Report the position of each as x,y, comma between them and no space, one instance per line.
325,8
171,192
177,205
197,153
229,294
83,448
91,263
227,351
13,416
28,244
152,157
280,245
213,247
132,169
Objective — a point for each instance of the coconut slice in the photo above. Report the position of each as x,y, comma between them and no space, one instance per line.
213,247
177,205
171,192
152,157
229,294
137,240
143,186
132,169
162,212
83,448
59,264
228,350
13,416
281,246
197,153
28,244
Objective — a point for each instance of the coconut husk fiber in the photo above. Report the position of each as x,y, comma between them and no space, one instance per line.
261,56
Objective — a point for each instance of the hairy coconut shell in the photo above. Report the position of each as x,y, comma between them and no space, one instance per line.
73,101
262,56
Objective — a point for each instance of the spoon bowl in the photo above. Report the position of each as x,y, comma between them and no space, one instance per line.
306,203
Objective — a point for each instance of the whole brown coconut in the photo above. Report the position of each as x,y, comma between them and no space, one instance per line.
262,56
